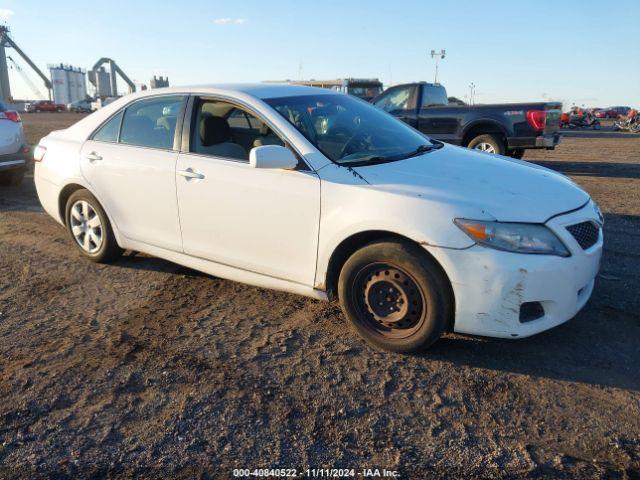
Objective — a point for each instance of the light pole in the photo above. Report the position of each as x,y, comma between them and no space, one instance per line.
472,93
438,56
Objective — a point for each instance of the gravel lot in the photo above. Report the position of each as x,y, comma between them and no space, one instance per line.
150,369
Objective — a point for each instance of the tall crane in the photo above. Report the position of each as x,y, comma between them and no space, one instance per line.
7,42
36,91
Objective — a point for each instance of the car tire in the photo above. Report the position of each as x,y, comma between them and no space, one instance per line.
395,296
488,143
94,238
517,153
12,178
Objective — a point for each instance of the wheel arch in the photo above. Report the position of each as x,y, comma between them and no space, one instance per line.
74,186
65,193
481,127
354,242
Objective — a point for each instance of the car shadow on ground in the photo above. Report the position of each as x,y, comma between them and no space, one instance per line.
593,169
139,261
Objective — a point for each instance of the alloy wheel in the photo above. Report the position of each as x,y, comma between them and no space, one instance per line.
485,147
86,226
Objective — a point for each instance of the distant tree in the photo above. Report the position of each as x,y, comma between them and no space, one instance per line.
456,101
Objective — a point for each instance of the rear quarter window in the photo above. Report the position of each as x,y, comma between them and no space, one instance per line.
110,130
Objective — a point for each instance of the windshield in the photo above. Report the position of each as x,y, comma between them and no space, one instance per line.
350,131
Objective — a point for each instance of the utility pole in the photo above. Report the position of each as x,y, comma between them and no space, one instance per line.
438,56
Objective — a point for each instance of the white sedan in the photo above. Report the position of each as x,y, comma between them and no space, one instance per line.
321,194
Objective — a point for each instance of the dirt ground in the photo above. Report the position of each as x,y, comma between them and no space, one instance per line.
150,369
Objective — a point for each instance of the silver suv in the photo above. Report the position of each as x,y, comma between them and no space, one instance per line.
14,152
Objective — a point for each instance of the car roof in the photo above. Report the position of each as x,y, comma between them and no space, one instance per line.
259,90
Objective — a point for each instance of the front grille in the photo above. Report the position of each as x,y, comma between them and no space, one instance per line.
585,233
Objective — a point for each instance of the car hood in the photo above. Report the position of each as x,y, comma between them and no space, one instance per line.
509,190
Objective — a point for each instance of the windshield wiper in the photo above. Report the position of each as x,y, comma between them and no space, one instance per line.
392,158
423,149
366,161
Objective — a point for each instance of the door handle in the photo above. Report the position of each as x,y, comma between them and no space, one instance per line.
189,173
93,157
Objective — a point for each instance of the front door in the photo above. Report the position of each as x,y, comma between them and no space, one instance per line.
261,220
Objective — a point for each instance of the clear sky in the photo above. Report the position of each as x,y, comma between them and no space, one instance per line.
582,51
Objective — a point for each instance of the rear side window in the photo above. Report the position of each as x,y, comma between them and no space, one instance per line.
109,131
151,123
434,96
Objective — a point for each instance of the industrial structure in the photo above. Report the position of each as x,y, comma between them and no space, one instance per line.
5,87
106,83
69,83
159,82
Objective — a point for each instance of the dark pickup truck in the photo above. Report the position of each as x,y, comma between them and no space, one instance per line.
505,129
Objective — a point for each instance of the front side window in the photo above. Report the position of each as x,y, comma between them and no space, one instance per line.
151,122
110,130
222,129
350,131
398,99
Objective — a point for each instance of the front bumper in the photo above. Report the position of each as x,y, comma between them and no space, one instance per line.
490,286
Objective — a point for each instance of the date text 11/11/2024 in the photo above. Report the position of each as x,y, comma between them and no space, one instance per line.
316,473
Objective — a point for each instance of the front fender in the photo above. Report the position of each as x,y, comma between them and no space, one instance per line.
350,206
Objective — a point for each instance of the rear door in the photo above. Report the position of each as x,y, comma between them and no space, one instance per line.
260,220
435,117
130,163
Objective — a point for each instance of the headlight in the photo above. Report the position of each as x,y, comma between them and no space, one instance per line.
514,237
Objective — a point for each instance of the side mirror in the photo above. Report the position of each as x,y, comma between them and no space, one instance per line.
272,156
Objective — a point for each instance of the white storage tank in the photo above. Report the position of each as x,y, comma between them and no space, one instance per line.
69,83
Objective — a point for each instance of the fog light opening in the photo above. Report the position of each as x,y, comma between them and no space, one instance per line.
530,311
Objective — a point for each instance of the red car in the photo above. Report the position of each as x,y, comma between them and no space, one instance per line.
613,112
44,106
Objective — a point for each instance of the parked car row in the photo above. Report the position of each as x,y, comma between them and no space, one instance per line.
44,106
611,112
80,106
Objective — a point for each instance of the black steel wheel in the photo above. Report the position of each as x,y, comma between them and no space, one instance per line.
395,296
389,300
